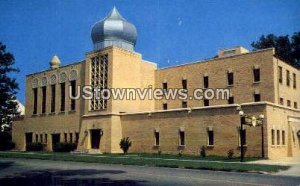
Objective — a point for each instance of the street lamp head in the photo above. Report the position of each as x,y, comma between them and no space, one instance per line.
261,116
241,113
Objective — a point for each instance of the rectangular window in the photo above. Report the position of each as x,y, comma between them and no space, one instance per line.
41,138
256,75
243,137
295,105
210,134
281,101
76,137
287,77
206,102
231,100
278,137
62,96
273,136
294,81
283,137
165,106
53,98
73,92
65,137
280,74
165,86
46,138
182,138
288,103
36,138
205,82
184,84
230,78
184,104
71,137
35,99
257,98
44,97
156,135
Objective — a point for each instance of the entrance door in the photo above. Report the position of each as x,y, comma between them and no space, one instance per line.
55,140
95,138
28,138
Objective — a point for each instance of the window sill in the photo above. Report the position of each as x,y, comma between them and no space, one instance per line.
229,85
51,114
72,111
210,145
156,145
243,146
61,113
256,82
181,145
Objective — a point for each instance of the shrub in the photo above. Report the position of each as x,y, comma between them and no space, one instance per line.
230,153
180,153
125,143
64,147
34,146
203,152
6,141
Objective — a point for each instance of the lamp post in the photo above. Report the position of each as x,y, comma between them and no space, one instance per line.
262,117
253,122
242,121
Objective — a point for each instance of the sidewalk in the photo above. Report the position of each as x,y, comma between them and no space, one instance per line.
294,162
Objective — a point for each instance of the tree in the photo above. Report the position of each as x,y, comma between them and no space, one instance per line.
287,49
125,143
8,87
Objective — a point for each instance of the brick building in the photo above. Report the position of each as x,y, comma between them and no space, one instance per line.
259,83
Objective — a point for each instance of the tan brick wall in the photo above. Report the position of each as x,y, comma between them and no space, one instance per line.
216,69
225,122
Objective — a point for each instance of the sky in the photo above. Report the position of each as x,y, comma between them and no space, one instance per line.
169,32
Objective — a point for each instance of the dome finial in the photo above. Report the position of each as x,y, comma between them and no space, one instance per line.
55,62
114,14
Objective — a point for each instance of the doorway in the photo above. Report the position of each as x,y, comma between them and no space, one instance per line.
55,140
95,138
28,138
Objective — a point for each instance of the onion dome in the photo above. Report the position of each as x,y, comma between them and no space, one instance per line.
114,30
55,62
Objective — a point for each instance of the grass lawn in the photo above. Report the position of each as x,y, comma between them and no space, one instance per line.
163,160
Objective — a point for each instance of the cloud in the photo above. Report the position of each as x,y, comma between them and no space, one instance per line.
179,22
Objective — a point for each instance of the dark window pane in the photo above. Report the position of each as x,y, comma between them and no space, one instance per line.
62,96
73,89
53,89
205,81
35,99
206,102
211,138
44,98
165,106
184,104
184,84
230,78
257,97
231,100
256,73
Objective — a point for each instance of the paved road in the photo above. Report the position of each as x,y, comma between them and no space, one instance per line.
45,172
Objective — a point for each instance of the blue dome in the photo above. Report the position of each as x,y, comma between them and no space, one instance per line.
114,30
